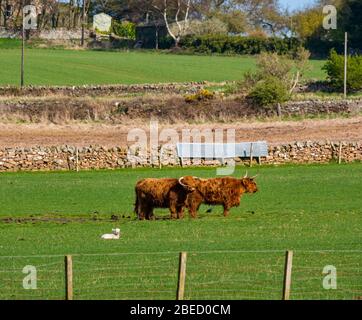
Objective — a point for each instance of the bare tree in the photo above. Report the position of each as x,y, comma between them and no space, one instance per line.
180,9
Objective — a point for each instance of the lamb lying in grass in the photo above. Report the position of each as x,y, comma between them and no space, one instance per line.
115,235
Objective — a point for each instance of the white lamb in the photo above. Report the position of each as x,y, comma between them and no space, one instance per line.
115,235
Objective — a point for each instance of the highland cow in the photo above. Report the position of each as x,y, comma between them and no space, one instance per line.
218,191
160,193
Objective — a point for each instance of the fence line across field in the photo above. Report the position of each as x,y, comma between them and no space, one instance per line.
177,252
267,274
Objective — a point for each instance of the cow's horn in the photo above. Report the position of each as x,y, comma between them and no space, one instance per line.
185,185
180,182
246,175
254,177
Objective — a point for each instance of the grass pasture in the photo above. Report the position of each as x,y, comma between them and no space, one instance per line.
313,210
74,67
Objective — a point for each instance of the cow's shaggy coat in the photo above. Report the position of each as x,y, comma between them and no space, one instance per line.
218,191
160,193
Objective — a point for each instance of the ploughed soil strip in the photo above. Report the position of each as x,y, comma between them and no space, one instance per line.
61,220
277,132
64,220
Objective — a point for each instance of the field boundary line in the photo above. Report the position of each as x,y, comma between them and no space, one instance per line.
177,252
141,253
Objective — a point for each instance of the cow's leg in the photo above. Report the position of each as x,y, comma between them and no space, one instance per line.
180,212
226,210
193,208
149,213
173,213
141,213
173,210
145,211
138,207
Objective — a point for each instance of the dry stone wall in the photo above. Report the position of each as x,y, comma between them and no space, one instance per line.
322,107
97,157
104,90
50,34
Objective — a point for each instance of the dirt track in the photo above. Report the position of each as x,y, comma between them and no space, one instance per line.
22,135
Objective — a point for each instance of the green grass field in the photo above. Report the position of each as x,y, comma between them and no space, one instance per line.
313,210
70,67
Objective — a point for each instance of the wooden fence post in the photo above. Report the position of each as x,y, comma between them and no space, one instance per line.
181,276
340,153
287,274
77,158
251,155
160,157
68,277
279,110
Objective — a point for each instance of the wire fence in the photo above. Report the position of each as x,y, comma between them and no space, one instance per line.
309,276
219,275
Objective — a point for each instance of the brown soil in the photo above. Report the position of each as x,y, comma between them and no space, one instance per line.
62,220
21,135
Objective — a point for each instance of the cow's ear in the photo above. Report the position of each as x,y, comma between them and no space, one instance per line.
244,182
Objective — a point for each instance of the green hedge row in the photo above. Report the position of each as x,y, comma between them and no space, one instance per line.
239,45
124,29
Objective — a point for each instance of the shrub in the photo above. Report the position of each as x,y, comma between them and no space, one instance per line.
202,95
166,42
222,44
124,29
289,69
105,33
273,65
335,71
269,92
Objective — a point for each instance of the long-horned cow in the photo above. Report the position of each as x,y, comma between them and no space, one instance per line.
160,193
217,191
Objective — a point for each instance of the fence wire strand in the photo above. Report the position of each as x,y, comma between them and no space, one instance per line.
217,274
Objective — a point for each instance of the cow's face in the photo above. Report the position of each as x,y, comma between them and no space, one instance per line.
249,185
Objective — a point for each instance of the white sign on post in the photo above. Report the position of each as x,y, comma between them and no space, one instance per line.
29,17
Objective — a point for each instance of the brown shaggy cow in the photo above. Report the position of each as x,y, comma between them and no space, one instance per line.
160,193
218,191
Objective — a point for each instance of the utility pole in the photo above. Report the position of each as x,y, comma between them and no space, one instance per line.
83,22
345,63
22,46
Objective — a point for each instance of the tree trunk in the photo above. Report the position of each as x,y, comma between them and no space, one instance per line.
1,12
177,42
71,14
